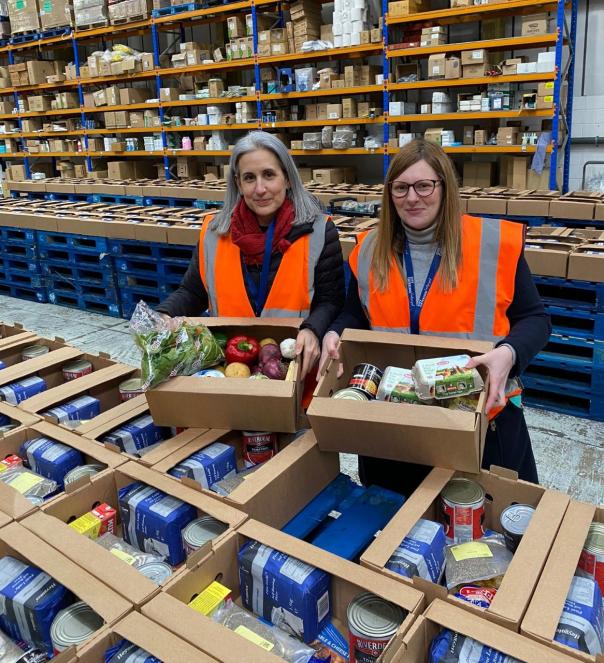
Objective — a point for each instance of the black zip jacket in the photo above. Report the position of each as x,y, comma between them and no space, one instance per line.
191,298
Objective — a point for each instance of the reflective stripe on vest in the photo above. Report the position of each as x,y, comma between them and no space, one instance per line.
293,287
475,309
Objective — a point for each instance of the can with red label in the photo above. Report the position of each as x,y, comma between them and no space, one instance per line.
366,378
76,369
131,388
591,561
258,447
372,622
462,504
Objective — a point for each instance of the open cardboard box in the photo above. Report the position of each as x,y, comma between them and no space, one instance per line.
97,428
17,506
5,519
19,542
547,258
10,334
16,416
414,645
170,608
579,205
426,434
586,263
546,606
502,488
102,384
11,357
102,564
261,493
234,403
151,637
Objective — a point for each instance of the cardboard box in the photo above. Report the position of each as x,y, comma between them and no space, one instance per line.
586,263
452,67
573,206
149,636
547,258
24,15
133,95
426,434
405,7
437,63
504,488
39,103
474,70
478,173
347,580
544,611
17,506
38,70
508,136
533,25
414,646
52,527
236,403
513,172
120,170
334,111
17,417
19,542
332,175
480,137
56,14
475,56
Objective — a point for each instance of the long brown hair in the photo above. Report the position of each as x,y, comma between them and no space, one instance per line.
389,240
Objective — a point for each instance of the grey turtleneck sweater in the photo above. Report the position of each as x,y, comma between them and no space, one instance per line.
423,248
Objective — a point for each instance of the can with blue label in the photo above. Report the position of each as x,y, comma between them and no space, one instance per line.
50,459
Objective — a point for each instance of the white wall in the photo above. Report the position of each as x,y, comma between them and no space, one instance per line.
588,107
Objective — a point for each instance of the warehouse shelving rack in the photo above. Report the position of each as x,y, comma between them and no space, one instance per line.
561,115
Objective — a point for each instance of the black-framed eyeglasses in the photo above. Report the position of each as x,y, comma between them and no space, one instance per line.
423,188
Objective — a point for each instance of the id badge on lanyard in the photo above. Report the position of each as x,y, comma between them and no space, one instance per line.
260,293
416,305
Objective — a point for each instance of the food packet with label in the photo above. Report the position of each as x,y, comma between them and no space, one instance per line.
445,377
30,484
483,563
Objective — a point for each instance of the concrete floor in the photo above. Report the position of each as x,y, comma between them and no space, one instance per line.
569,451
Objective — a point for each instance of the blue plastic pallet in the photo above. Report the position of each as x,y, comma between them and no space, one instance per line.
83,276
581,351
80,243
207,204
576,405
54,32
579,323
130,297
571,294
25,37
23,278
29,266
562,378
10,289
85,302
118,200
142,284
70,256
22,236
148,201
19,251
179,9
173,253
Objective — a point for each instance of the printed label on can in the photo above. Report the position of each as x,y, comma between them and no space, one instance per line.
593,565
463,523
366,650
258,447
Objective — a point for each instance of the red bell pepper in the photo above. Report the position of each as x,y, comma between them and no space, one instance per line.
242,349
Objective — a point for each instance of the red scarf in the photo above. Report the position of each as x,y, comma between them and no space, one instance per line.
247,235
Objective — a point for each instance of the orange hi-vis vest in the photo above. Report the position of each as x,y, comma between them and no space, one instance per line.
475,309
293,287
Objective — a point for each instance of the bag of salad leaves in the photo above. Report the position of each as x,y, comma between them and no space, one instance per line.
171,347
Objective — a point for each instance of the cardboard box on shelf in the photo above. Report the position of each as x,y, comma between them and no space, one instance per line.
334,111
544,103
414,646
477,173
586,263
535,24
39,103
405,7
333,175
24,15
376,428
122,119
548,258
347,581
575,205
452,67
468,135
149,636
134,95
437,63
56,14
481,136
474,70
236,403
475,56
120,170
543,614
52,525
509,67
504,489
38,70
508,135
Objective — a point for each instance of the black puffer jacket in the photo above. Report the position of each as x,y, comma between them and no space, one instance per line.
191,299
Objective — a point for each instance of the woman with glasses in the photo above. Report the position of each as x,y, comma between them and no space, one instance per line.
427,269
269,252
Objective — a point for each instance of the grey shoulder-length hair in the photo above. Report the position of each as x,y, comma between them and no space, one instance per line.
307,207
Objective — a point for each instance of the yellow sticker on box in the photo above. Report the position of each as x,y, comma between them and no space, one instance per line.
254,637
210,599
25,481
470,550
124,556
88,525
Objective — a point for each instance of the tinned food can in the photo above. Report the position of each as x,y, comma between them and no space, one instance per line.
76,369
350,394
82,471
462,504
366,378
131,388
74,625
200,531
157,572
32,351
372,622
591,561
514,521
258,447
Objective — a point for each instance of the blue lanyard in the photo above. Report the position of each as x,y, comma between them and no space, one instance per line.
415,305
260,293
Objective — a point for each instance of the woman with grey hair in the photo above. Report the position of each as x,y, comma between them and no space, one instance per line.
269,252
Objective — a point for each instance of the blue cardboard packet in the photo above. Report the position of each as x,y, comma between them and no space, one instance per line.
50,459
284,590
126,652
83,407
581,624
136,434
451,647
153,521
421,553
16,392
208,465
